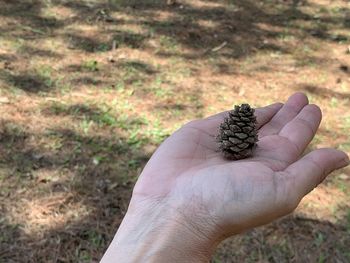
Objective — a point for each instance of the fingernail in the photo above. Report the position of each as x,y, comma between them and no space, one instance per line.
345,161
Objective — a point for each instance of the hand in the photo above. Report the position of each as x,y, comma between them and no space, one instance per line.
188,180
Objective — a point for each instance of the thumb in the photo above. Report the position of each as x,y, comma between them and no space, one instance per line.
313,168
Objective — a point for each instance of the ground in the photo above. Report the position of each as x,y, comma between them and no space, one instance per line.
88,90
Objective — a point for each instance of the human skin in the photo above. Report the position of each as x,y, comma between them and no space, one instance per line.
189,198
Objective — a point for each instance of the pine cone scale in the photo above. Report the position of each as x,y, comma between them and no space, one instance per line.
243,145
235,128
245,119
235,140
241,135
247,129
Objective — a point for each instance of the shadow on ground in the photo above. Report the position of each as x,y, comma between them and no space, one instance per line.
239,24
244,28
280,242
94,172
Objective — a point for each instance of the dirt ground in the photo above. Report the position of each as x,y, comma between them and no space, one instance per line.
88,90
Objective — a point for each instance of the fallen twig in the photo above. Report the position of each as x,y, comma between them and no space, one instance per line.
216,49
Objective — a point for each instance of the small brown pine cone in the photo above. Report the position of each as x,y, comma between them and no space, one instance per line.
238,133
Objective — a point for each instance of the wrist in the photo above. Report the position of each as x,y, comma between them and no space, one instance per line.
156,231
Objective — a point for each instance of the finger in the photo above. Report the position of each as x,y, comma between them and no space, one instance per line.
286,147
303,127
290,109
263,115
305,174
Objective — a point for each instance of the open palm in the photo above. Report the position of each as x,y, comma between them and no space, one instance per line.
187,171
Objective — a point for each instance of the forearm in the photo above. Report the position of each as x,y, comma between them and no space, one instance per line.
148,234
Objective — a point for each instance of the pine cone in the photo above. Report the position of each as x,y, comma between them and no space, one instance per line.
238,133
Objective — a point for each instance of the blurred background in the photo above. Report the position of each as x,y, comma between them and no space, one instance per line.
89,89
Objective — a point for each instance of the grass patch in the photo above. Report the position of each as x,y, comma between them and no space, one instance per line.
91,65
